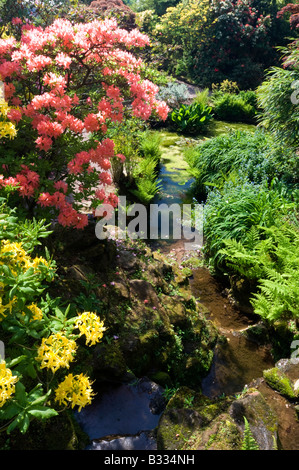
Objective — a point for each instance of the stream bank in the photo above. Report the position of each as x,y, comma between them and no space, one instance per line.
173,288
239,382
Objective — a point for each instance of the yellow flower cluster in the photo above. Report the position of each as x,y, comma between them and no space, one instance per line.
91,326
7,383
4,308
7,128
37,313
56,351
12,254
75,390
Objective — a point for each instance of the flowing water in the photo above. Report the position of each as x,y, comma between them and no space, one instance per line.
237,360
124,415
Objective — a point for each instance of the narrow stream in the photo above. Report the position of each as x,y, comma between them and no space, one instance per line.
237,360
125,415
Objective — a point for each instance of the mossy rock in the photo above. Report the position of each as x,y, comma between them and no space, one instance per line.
258,333
162,378
175,427
223,434
198,366
149,351
262,419
192,421
208,408
279,381
176,311
186,420
109,362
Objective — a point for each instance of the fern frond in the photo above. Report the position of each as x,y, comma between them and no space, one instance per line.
249,443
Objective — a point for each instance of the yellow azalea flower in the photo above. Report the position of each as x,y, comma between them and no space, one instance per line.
37,313
56,351
39,260
4,108
14,256
7,383
7,128
14,249
91,326
8,306
75,390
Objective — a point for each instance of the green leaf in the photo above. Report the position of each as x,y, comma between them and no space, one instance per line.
24,425
16,423
20,394
31,371
42,412
9,411
10,363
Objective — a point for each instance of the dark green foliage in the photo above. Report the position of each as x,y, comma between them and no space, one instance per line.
278,98
232,211
239,47
146,171
257,155
235,108
159,6
192,119
252,233
150,146
270,256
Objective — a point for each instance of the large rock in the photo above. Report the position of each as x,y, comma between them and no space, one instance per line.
194,422
284,377
144,291
261,418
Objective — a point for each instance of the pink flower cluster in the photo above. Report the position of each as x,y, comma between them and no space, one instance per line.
43,70
68,216
26,182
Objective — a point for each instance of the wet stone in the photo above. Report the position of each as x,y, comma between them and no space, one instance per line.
141,441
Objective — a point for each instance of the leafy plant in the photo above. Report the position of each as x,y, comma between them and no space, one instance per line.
226,86
277,97
173,93
40,334
202,97
169,392
192,119
257,155
249,443
149,146
232,211
146,179
188,402
270,257
234,108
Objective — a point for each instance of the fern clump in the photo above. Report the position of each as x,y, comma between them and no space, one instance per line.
269,255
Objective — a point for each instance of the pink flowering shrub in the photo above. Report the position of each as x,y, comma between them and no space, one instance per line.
67,85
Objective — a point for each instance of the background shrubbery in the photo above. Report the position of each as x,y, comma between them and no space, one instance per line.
257,155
